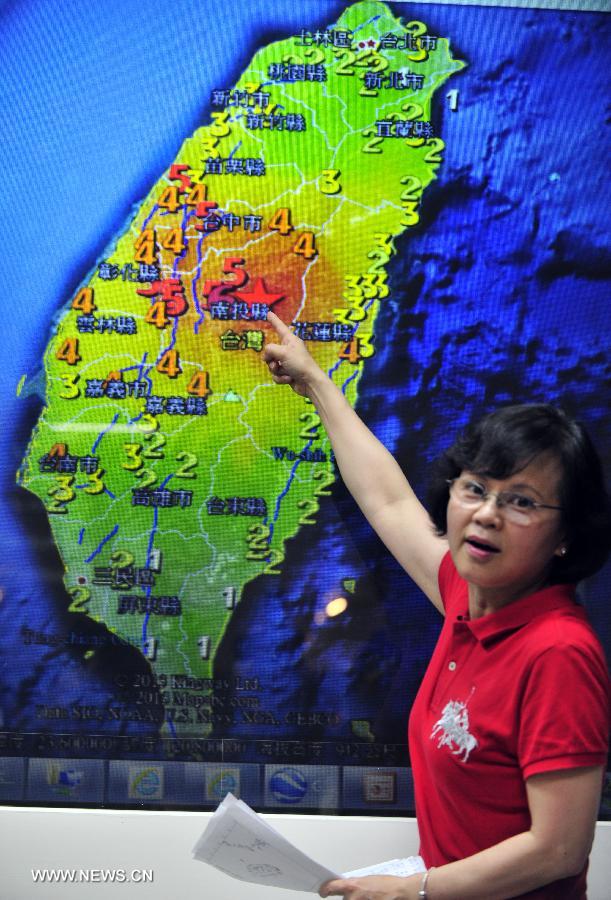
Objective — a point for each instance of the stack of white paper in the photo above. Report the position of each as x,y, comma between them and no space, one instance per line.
242,844
410,865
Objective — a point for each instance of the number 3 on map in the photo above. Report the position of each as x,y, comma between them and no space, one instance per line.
71,389
329,181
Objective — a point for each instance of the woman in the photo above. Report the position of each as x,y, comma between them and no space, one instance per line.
509,731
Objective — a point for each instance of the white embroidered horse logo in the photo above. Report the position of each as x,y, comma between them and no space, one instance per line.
453,728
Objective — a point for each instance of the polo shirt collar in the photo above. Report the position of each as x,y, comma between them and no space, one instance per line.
519,613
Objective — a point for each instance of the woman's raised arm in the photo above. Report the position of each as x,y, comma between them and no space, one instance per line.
369,471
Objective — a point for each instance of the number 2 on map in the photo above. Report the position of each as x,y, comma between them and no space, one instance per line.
326,479
309,507
309,432
258,542
80,598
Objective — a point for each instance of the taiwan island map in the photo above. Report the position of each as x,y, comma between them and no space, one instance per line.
171,470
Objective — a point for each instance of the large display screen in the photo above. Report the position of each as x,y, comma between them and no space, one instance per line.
191,601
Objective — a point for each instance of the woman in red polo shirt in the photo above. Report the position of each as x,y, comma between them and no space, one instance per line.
509,732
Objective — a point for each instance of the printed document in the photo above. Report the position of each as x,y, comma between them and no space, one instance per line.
242,844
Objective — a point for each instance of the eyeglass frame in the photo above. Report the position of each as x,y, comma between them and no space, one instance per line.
534,504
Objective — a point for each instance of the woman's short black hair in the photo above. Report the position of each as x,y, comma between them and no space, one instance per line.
507,440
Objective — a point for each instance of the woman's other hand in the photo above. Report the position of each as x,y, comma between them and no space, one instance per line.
373,887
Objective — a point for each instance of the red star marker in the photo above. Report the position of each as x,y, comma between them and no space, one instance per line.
258,294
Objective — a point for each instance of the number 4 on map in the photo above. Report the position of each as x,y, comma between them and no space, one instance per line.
169,198
198,386
281,221
351,352
84,301
169,364
305,245
156,315
144,247
68,352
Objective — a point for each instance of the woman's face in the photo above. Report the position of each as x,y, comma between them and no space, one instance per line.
504,558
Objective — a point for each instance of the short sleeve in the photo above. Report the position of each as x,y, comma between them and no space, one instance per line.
452,588
564,715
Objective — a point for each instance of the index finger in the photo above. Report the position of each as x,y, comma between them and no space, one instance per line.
282,329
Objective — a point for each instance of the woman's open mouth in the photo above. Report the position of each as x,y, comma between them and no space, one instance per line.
480,549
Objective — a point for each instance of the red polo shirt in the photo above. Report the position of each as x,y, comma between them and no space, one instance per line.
514,693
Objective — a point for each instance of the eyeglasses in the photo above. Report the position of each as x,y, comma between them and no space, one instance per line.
518,508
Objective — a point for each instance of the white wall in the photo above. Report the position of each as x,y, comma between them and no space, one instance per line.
83,839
